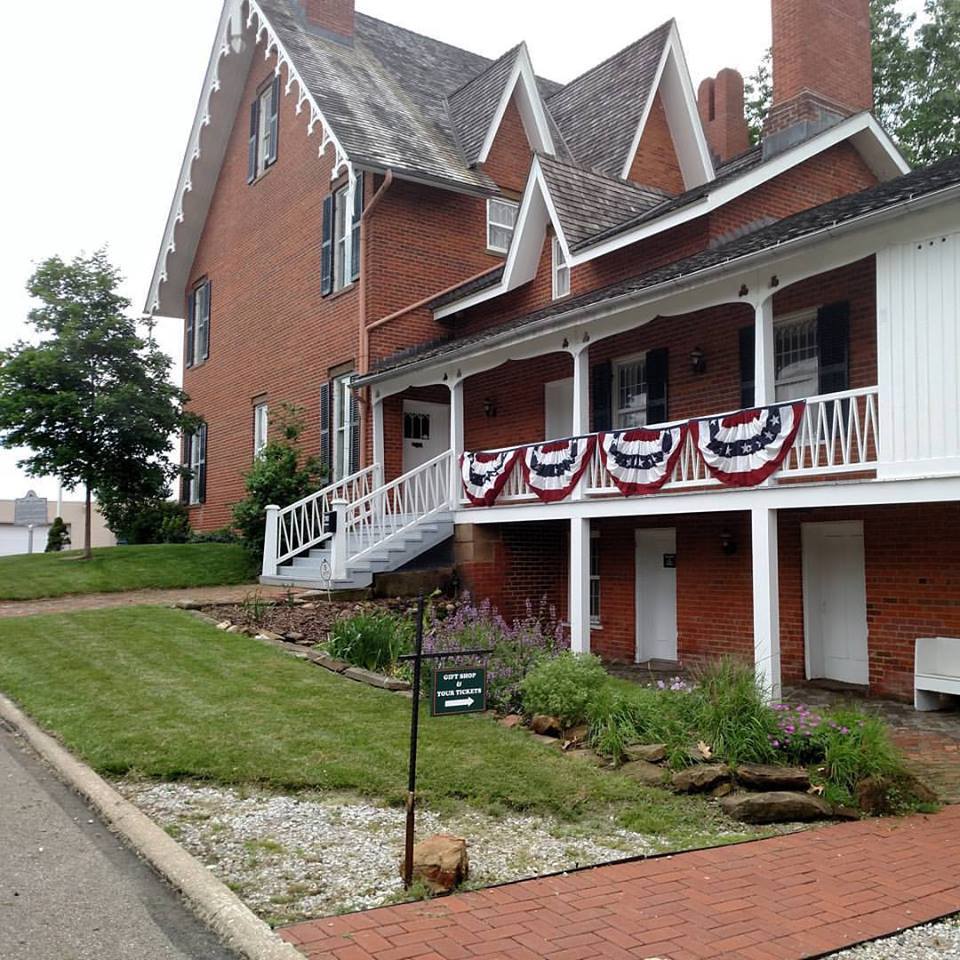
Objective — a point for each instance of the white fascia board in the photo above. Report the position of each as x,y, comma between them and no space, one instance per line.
683,115
862,123
522,80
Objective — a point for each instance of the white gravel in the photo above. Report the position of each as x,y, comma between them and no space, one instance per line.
936,941
297,857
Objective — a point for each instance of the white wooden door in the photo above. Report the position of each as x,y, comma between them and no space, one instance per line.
558,406
656,595
835,602
426,432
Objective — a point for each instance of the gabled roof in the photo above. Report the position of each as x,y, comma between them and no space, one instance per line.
598,113
924,185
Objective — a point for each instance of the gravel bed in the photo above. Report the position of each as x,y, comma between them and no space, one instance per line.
935,941
298,857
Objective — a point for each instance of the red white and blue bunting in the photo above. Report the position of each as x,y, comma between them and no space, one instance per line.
486,474
642,461
552,470
746,448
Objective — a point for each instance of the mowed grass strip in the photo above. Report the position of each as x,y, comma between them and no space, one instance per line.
115,569
157,693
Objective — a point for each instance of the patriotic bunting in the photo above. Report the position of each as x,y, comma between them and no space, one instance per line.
642,461
553,469
485,475
746,448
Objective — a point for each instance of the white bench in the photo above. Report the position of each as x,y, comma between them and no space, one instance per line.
936,671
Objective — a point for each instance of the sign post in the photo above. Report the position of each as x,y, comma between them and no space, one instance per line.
455,692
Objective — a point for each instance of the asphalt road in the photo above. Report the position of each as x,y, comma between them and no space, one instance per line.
69,889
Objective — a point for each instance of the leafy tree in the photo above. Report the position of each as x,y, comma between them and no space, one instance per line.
91,399
57,536
758,89
893,60
281,474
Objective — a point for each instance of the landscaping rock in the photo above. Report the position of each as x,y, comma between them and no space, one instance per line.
269,635
776,807
188,605
882,796
294,636
766,777
236,628
650,752
841,812
224,625
646,773
325,660
375,679
574,736
723,790
546,726
701,779
512,720
440,862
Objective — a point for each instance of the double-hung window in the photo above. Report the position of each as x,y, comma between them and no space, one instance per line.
264,130
595,578
630,393
561,272
261,426
195,450
339,428
501,222
198,323
796,357
342,211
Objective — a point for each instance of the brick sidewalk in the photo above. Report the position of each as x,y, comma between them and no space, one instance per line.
787,898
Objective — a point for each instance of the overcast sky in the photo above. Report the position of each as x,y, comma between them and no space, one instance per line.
96,131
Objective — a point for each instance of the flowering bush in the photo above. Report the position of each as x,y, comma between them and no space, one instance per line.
516,647
565,687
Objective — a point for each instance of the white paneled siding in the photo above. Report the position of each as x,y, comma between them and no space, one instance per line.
918,344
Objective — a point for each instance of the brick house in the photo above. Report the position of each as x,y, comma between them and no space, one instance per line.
703,394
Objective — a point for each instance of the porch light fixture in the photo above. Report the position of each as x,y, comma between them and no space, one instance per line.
490,407
727,543
698,360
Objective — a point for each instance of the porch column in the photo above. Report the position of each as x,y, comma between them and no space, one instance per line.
765,391
456,440
579,589
581,392
766,600
379,450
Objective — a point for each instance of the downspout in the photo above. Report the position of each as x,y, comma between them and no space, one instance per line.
363,345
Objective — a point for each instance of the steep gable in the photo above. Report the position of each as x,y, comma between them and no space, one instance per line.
508,161
655,163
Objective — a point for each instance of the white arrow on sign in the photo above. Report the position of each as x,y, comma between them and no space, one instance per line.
469,702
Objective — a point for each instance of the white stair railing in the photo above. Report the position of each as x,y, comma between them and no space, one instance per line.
293,530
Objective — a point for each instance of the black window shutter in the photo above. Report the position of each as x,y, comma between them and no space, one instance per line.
191,325
205,344
748,366
326,250
254,136
274,135
202,469
833,344
326,431
601,389
355,234
354,432
185,476
657,373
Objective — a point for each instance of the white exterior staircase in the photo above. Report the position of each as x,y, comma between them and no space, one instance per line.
376,528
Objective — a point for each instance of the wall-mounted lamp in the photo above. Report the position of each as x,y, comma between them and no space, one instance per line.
490,407
727,543
698,360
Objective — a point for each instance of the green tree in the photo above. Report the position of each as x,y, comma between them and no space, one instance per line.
894,62
91,399
58,536
758,90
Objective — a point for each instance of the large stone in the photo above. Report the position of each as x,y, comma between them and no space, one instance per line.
650,752
546,726
643,772
701,779
511,720
767,777
575,736
440,862
375,679
776,807
325,660
882,796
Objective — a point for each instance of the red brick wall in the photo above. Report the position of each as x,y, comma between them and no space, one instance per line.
337,16
509,160
655,163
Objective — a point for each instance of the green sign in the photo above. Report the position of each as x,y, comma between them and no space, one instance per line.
459,691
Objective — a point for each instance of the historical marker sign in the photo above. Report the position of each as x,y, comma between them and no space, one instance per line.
459,691
30,511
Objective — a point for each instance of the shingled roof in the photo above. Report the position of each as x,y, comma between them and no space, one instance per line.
912,186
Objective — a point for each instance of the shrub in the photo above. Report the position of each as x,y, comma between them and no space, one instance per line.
223,535
151,521
565,687
373,641
57,536
280,475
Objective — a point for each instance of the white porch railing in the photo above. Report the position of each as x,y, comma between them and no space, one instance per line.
295,529
839,433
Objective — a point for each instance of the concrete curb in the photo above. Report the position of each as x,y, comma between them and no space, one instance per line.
213,902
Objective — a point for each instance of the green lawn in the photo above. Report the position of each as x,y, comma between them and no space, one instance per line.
157,693
114,569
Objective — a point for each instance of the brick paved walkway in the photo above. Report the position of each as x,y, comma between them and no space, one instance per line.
787,898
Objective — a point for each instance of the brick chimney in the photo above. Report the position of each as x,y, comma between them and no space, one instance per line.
822,67
331,16
721,103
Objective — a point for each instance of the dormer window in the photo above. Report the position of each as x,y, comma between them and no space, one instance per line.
501,221
561,272
264,130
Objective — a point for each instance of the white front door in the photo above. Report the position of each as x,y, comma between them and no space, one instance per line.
835,602
558,407
426,432
656,595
